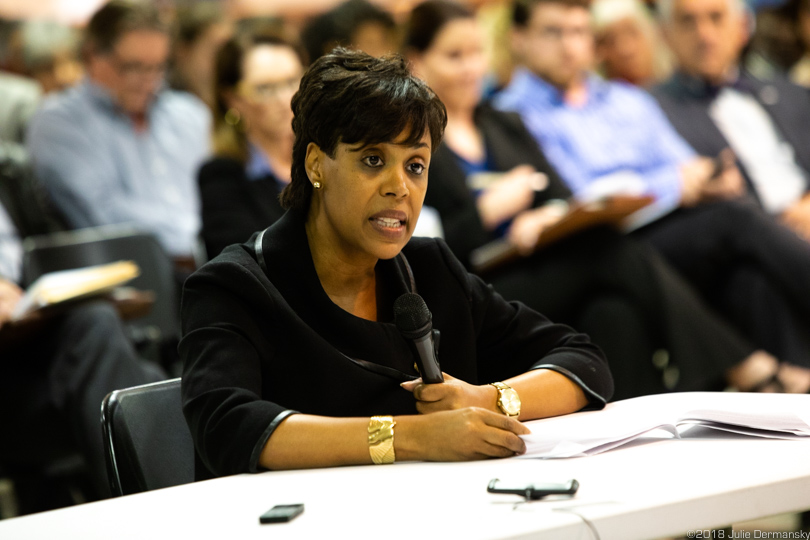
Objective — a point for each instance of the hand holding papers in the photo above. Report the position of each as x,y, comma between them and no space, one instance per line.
52,293
781,416
580,216
57,287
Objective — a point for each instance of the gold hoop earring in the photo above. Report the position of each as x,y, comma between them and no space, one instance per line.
316,185
233,117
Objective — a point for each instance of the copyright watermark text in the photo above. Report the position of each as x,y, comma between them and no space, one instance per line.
705,534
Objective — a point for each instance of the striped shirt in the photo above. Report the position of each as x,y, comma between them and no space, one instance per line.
99,170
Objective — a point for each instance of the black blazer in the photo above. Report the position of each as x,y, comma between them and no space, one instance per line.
233,207
257,345
686,101
508,144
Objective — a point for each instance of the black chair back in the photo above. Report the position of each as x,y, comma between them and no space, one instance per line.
147,442
26,200
101,245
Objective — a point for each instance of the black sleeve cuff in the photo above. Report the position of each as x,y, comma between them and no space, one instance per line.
253,465
595,401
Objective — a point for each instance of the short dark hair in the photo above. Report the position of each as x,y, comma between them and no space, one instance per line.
427,20
522,9
337,26
116,18
351,97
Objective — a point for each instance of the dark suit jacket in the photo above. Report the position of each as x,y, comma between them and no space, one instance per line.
686,102
23,197
509,144
259,344
233,207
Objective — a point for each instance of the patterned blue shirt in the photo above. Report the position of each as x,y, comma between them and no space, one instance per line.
259,167
620,132
11,249
99,170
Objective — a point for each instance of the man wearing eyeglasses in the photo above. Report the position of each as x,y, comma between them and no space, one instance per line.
605,137
120,147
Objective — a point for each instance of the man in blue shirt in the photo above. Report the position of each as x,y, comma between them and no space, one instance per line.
119,147
609,137
600,136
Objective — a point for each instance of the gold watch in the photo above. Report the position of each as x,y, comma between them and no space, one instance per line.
508,400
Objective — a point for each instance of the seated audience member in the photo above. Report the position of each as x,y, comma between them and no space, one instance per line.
289,339
200,30
261,25
357,24
628,45
714,104
7,29
775,45
603,137
570,281
52,382
253,139
46,54
800,72
19,99
50,54
119,147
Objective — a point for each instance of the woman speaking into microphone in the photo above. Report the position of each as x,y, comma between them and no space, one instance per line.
292,358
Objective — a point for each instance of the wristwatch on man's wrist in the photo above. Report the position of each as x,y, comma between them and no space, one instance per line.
508,400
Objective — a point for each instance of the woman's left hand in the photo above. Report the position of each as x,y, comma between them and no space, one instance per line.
450,395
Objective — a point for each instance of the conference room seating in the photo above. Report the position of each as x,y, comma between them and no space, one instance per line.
147,442
154,334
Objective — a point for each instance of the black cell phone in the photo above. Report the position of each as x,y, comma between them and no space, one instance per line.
282,513
534,490
719,163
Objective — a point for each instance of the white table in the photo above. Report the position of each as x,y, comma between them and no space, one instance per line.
646,490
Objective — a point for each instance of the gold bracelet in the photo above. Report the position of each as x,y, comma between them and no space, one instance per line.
381,439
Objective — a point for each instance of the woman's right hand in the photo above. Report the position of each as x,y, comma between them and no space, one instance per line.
458,435
527,227
510,195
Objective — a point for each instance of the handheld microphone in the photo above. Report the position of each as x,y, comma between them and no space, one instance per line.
415,322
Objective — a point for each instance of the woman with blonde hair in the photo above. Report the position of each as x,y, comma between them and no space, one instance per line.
255,80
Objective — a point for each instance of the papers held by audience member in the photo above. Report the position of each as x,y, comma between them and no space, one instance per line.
57,287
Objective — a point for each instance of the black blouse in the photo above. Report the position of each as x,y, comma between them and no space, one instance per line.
234,207
259,345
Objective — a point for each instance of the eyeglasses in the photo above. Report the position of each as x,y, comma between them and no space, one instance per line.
271,90
135,69
558,33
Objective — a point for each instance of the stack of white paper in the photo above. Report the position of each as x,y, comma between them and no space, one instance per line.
782,416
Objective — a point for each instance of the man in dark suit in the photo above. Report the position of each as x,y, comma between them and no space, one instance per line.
715,104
